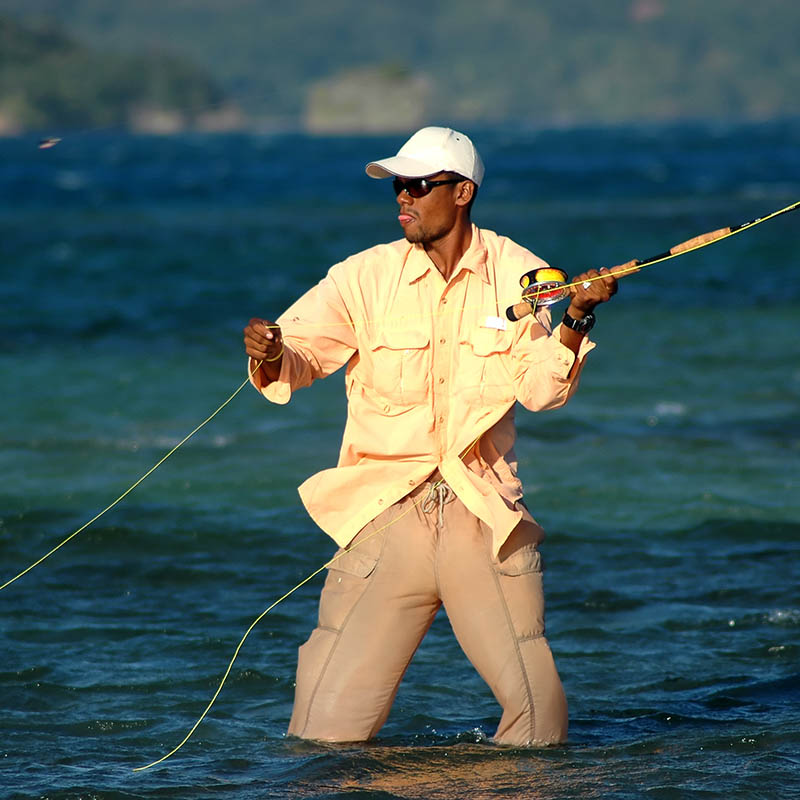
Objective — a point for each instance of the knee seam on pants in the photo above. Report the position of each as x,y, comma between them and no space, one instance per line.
520,660
323,671
317,684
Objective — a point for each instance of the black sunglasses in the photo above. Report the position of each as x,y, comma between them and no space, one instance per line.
419,187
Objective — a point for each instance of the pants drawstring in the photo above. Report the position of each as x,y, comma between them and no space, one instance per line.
439,494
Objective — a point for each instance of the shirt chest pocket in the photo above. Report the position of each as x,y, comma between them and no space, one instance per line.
401,365
484,369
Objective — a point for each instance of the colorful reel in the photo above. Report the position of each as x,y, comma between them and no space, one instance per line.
544,286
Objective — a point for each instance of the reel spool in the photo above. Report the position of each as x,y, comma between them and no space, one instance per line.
540,288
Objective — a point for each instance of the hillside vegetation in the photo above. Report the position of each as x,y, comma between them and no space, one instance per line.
48,79
532,61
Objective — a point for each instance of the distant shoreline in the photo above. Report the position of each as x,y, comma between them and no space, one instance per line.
255,126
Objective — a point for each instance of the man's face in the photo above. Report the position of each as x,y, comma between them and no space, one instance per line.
429,218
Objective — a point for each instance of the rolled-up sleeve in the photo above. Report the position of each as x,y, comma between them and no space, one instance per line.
318,338
546,372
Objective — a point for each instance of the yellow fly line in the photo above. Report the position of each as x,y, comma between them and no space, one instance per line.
326,565
264,613
696,243
633,266
128,490
548,291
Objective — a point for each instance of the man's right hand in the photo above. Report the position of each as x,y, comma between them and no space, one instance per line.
263,342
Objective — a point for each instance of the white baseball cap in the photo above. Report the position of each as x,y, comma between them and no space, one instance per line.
429,151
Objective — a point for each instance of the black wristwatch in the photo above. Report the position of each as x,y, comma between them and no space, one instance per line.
580,325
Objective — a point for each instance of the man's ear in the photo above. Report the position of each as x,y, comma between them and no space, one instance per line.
466,191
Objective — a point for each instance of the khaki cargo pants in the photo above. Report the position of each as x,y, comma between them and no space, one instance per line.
380,598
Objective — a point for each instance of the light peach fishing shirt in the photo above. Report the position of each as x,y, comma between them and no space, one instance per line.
432,366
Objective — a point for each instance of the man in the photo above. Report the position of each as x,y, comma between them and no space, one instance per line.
425,503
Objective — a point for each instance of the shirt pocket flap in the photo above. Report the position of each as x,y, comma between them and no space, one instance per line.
400,339
487,341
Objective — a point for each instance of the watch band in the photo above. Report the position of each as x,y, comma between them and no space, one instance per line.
580,325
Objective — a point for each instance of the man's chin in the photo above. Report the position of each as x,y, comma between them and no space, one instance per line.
416,236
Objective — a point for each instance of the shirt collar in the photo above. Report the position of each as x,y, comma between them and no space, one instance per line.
418,263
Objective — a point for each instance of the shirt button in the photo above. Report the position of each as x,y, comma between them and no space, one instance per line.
380,502
444,300
441,419
442,340
411,483
441,380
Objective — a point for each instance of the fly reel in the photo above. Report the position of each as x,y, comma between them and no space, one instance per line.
540,288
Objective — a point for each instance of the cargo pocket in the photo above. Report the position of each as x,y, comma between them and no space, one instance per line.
354,562
349,572
520,552
518,569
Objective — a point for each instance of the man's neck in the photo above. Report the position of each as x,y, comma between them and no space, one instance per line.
447,251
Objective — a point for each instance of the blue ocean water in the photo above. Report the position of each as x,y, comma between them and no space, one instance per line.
669,486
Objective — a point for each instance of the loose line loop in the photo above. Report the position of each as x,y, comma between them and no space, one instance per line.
432,491
633,266
255,622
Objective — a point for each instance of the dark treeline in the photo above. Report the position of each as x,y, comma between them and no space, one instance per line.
532,61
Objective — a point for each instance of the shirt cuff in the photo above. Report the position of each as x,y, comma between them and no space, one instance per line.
565,358
278,391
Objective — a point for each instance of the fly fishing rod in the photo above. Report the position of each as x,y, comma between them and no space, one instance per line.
547,285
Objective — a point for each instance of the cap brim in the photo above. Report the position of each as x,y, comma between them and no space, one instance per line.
398,166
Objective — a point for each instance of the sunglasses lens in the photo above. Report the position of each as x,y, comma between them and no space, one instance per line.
416,187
